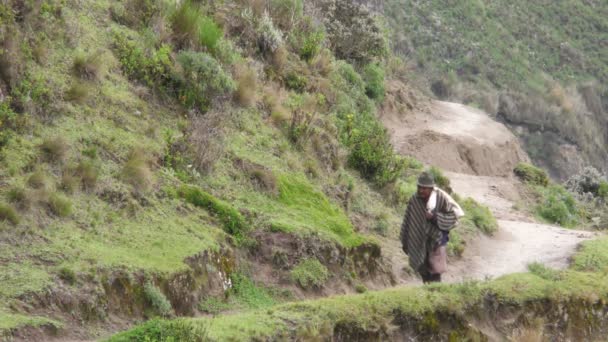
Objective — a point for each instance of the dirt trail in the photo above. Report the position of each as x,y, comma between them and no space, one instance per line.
479,155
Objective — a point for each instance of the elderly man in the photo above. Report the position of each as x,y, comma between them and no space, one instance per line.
430,215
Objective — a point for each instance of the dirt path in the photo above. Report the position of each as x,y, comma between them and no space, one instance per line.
479,155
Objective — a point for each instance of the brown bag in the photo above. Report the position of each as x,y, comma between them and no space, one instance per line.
438,260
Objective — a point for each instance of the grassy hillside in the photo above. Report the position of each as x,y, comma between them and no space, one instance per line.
542,67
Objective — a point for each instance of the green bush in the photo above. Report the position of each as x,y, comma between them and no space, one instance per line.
480,215
246,293
157,299
209,33
603,190
286,12
531,174
441,180
310,273
152,66
203,78
60,205
558,206
374,81
7,213
165,331
232,221
68,275
371,151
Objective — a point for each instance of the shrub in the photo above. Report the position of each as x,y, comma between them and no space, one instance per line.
89,67
371,151
602,190
374,81
231,220
209,33
203,79
558,206
531,174
360,288
166,331
353,32
245,292
67,275
307,39
588,181
19,196
8,213
60,205
207,140
286,12
246,87
270,38
310,273
54,149
296,81
152,66
157,300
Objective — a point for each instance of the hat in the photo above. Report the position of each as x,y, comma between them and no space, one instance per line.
426,180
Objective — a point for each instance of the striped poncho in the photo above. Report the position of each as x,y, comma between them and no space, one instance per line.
420,236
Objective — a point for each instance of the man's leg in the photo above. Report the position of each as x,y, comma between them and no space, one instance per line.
428,277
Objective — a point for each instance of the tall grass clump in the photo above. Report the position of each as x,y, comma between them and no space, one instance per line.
89,67
54,149
8,213
480,215
162,330
136,171
60,205
192,28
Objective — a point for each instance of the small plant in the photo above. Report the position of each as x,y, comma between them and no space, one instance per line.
78,93
60,205
68,275
89,67
441,180
310,273
270,38
54,149
19,196
38,180
480,215
88,173
192,28
247,293
558,206
382,226
531,174
157,300
360,288
544,272
7,213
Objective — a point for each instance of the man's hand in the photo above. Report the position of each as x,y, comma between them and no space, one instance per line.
429,216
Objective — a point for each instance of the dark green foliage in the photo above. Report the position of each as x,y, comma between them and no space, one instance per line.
67,275
165,331
531,174
202,80
157,300
558,206
310,273
371,151
209,33
60,205
8,120
308,39
603,190
374,81
232,221
295,81
7,213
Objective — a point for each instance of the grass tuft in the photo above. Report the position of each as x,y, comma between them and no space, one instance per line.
136,171
54,149
310,273
60,205
531,174
8,213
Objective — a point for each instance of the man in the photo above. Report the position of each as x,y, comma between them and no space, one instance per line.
430,215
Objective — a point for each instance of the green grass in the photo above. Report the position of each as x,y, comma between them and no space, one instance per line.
10,322
593,256
309,273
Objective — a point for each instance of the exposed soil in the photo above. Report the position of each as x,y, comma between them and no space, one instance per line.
479,155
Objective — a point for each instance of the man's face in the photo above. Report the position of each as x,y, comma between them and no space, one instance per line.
424,192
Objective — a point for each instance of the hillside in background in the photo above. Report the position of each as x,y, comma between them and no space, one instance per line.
541,67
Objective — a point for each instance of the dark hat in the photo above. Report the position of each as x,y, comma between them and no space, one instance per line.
426,180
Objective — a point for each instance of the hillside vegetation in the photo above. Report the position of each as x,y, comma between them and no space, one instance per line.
542,67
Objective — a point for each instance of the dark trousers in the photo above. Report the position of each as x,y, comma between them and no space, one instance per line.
428,277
